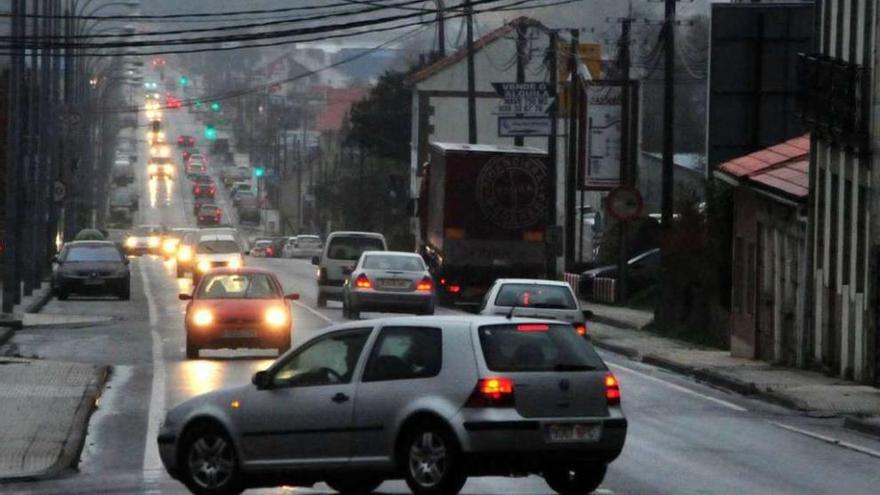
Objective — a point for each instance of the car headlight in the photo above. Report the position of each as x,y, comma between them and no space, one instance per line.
235,263
170,246
203,317
185,253
204,266
154,241
276,317
130,242
168,169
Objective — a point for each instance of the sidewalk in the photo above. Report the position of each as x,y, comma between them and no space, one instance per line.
44,412
30,304
803,390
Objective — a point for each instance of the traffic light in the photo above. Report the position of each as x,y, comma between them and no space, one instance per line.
184,81
259,172
210,132
215,106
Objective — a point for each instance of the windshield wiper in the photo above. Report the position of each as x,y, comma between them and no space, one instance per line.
573,367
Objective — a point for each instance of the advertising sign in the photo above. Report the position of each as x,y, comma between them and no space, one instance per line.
604,128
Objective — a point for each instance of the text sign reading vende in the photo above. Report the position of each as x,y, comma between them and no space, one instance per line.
533,98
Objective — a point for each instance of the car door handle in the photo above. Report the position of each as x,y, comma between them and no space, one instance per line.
340,398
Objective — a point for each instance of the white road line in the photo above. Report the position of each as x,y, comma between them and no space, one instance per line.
831,440
313,311
681,389
152,462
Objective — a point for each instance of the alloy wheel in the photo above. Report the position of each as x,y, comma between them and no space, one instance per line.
211,461
428,459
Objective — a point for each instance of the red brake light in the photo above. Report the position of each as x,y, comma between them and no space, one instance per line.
453,288
581,329
533,327
442,281
269,250
612,389
425,285
492,392
363,282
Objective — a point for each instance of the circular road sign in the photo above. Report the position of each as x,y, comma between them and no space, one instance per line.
625,203
59,191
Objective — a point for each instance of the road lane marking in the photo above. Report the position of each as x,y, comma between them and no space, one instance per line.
152,462
724,403
831,440
313,311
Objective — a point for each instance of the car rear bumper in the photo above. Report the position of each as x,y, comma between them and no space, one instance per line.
365,301
101,285
215,337
506,436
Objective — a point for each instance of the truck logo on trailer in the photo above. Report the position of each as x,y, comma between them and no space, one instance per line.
512,191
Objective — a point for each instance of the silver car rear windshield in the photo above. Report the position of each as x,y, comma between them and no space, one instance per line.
93,253
535,296
398,263
537,347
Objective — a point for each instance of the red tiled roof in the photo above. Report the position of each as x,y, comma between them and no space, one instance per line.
479,44
782,168
338,102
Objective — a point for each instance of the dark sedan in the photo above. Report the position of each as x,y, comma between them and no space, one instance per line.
91,267
642,272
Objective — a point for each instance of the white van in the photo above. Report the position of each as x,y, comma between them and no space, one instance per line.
341,253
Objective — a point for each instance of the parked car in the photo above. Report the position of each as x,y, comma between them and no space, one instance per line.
302,246
91,267
227,299
337,260
643,271
432,400
388,281
262,249
124,197
248,209
548,299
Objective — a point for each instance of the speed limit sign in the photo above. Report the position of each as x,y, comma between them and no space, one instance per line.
59,191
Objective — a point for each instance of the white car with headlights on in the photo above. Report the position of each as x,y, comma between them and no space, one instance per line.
144,239
216,251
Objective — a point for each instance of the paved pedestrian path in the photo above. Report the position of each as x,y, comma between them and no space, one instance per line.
620,330
44,412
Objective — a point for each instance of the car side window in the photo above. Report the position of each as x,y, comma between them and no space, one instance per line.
330,360
405,353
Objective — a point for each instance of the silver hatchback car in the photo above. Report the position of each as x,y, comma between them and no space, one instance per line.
432,400
535,298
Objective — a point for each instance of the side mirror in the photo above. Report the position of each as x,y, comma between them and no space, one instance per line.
346,270
126,261
261,380
292,297
316,261
588,314
185,297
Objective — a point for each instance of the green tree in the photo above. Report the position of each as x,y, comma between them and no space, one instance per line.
380,124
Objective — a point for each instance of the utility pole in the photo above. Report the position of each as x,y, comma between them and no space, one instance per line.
11,290
554,239
520,66
627,157
471,82
667,194
441,28
571,170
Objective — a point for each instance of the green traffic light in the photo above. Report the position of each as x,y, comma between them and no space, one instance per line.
215,106
259,171
210,133
184,81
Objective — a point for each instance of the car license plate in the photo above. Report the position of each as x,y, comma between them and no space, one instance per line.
239,334
94,281
566,433
395,283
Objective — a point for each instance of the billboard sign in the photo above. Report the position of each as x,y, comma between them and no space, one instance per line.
604,128
527,99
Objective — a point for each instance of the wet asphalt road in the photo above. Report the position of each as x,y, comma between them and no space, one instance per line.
684,437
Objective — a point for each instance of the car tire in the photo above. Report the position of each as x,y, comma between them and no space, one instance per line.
62,295
355,485
322,300
575,480
125,291
208,461
422,460
354,313
192,350
427,310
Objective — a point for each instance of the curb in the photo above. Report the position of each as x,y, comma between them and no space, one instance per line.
614,322
6,334
862,426
703,375
40,302
76,437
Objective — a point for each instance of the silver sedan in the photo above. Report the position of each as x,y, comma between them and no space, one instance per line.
432,400
388,281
